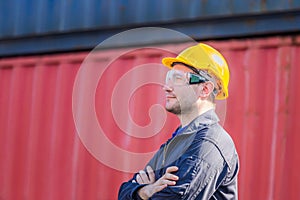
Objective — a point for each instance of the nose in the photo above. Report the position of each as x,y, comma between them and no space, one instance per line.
167,88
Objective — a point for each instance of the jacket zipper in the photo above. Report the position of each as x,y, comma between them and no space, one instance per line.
165,151
164,155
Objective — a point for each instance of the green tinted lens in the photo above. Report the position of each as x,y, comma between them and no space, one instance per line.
195,79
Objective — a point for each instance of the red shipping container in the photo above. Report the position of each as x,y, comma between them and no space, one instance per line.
45,108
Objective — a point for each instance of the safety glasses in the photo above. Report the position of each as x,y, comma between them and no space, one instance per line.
177,77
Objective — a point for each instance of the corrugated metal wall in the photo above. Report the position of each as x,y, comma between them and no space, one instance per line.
30,27
22,18
42,156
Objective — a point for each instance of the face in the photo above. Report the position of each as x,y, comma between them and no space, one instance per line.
181,97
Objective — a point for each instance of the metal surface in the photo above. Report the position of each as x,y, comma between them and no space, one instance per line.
30,27
21,18
42,157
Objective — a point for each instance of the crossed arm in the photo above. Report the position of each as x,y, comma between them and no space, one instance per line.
190,178
187,177
152,187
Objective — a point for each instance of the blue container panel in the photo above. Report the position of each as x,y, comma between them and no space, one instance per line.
29,17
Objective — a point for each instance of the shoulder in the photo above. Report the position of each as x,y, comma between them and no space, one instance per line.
214,145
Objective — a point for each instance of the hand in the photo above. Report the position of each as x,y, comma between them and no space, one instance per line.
167,179
143,178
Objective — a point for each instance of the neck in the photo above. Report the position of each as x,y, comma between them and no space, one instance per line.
199,109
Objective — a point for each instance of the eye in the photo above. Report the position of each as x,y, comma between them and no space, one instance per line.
178,77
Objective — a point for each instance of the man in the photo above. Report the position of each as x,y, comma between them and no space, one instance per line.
200,160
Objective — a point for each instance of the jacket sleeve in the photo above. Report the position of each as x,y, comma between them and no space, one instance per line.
128,190
196,179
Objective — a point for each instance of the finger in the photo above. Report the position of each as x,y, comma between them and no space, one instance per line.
151,174
144,176
171,177
139,179
168,182
172,169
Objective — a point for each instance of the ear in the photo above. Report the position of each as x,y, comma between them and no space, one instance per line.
205,89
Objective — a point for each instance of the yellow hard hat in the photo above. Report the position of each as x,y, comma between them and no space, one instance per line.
204,57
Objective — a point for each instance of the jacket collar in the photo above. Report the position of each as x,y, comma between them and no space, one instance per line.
202,121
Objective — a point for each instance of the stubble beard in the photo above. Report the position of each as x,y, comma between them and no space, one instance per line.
181,108
175,109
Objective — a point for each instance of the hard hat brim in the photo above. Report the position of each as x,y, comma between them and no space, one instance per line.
168,61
